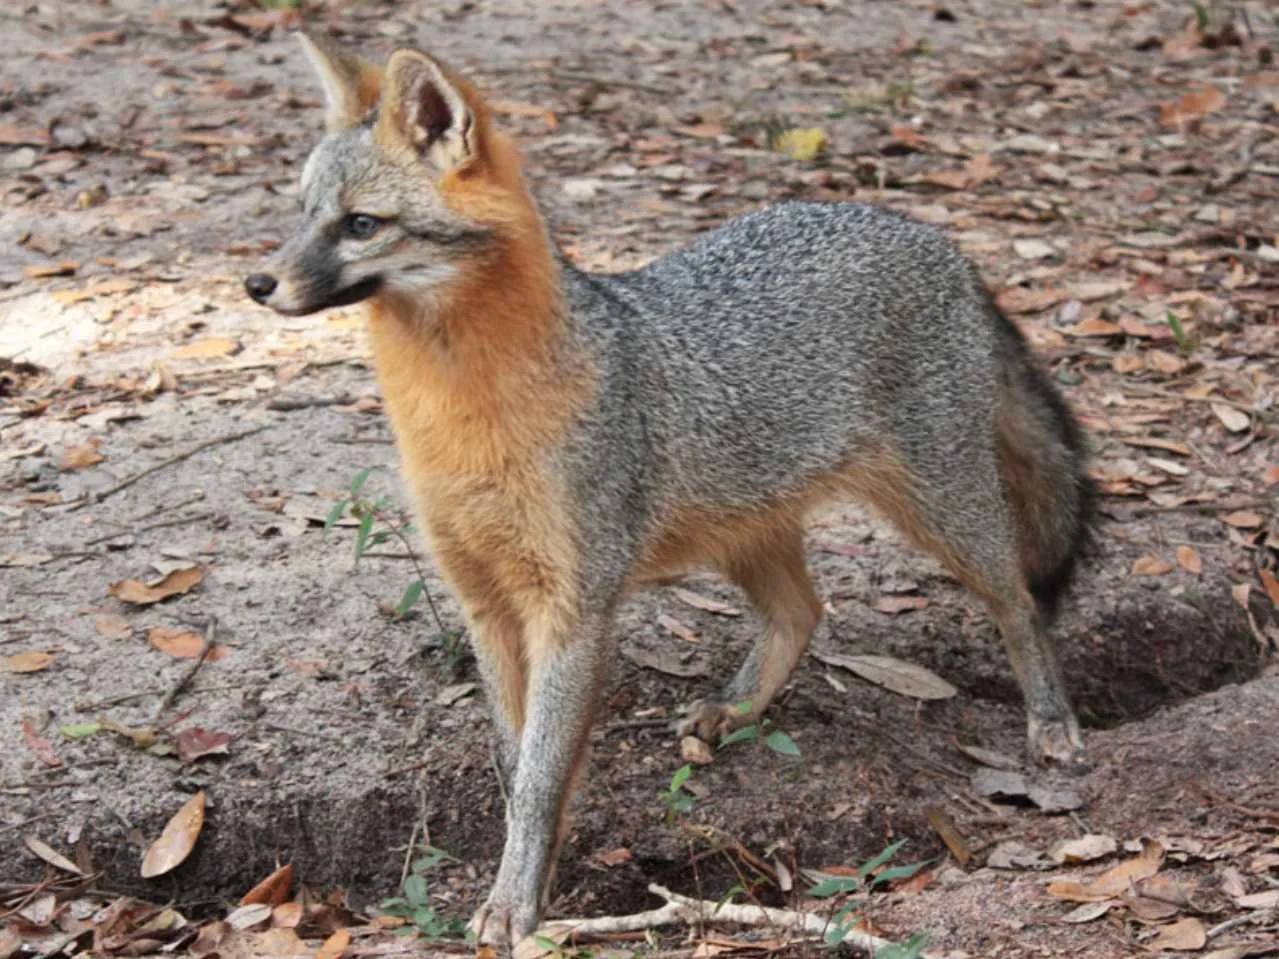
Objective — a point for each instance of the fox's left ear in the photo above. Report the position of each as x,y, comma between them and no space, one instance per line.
351,84
426,110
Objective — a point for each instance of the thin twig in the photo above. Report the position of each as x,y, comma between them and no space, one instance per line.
165,464
90,707
288,404
408,855
163,524
409,768
210,632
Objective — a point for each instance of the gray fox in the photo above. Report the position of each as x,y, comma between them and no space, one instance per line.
570,437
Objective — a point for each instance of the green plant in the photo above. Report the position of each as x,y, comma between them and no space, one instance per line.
1183,340
866,878
763,731
379,525
676,797
415,903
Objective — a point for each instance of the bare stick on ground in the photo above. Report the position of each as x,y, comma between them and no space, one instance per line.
184,680
164,464
682,909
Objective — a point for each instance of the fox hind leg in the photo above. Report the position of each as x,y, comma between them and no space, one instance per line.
775,578
961,516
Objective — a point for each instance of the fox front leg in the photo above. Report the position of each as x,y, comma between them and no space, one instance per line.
567,674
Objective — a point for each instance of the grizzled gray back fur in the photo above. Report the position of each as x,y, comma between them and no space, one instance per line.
783,344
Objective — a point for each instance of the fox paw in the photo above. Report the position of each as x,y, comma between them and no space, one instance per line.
1057,741
502,924
710,721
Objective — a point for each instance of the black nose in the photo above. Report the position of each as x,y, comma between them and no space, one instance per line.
260,286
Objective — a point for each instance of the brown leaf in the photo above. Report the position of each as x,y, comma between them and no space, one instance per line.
177,840
1192,106
891,673
41,271
32,661
1271,584
693,750
1184,935
113,626
176,583
1243,519
1167,363
896,605
272,890
1190,560
614,857
196,742
42,748
676,628
705,603
1237,421
1150,565
183,644
207,349
279,942
1095,326
1018,299
51,855
82,456
1113,882
335,945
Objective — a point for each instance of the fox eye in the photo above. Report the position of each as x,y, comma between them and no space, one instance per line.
361,226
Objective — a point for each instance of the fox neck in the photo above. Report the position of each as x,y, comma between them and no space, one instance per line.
482,376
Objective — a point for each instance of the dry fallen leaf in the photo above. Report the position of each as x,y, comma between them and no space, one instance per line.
1084,849
705,603
113,626
1113,882
51,855
895,605
1192,106
196,742
287,915
82,456
272,890
42,748
177,840
141,594
1243,519
676,628
1150,565
1271,584
901,677
1190,560
1232,419
335,945
694,750
29,662
1184,935
183,644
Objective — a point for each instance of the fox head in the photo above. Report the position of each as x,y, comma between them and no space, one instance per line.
410,186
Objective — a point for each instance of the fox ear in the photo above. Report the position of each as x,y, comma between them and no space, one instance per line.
423,108
351,84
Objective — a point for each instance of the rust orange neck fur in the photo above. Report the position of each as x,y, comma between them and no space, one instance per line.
479,375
